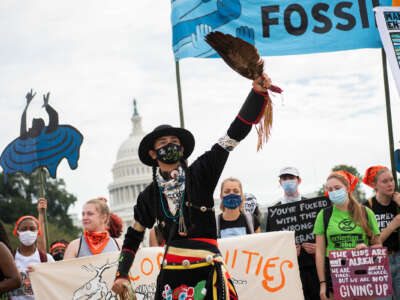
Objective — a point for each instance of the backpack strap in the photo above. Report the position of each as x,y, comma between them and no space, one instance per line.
80,245
218,223
366,217
42,255
249,221
115,241
327,216
370,203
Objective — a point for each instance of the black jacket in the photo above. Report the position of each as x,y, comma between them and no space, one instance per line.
204,174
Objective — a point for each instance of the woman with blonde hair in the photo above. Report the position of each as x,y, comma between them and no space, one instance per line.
96,238
386,206
234,220
344,225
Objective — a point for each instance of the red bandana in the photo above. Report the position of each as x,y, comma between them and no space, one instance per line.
369,177
96,240
350,178
15,232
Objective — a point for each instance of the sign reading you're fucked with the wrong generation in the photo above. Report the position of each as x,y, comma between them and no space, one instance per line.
298,217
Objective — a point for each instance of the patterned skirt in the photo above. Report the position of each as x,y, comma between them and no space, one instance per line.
194,270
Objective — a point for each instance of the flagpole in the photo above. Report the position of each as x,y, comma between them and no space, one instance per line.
178,84
389,122
42,195
389,116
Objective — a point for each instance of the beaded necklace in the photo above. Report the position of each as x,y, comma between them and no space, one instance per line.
182,229
165,211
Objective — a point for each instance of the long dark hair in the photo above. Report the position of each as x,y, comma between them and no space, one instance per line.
188,194
4,236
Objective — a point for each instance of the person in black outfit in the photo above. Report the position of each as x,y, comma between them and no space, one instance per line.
180,200
289,179
386,206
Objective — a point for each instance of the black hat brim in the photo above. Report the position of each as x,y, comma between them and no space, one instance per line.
185,137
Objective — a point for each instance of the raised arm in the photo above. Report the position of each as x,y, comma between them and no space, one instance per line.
209,166
23,131
53,115
41,240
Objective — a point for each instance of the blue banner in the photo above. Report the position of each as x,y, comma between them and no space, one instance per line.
276,27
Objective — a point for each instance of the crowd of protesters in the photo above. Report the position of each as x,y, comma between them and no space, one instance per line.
377,221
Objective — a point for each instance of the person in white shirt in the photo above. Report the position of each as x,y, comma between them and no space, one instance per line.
27,230
289,179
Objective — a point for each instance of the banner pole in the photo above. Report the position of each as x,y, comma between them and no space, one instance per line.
178,84
389,117
42,195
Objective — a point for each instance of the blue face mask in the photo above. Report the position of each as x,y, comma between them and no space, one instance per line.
289,186
232,201
338,196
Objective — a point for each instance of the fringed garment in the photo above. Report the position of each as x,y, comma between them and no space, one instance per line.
194,270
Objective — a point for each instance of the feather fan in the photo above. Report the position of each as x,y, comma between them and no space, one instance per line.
244,58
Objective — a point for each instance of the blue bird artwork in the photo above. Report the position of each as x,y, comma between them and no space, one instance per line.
41,146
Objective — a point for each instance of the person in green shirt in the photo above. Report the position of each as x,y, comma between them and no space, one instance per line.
348,227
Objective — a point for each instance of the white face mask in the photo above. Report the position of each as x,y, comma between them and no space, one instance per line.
27,237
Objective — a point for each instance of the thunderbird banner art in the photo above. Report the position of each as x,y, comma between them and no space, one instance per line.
275,27
41,145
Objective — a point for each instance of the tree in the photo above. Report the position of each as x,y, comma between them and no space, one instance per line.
358,193
19,195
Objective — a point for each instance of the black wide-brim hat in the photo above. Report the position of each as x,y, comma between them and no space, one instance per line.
185,137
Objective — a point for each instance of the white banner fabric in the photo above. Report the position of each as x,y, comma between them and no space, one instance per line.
262,266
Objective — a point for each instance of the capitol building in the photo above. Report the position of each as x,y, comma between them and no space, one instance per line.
130,175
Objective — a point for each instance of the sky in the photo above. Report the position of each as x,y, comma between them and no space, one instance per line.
94,57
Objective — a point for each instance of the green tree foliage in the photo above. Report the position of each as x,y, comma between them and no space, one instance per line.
358,193
19,196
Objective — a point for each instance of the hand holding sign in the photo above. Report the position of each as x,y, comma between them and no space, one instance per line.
396,198
309,247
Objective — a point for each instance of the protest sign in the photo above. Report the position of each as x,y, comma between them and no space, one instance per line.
298,216
388,22
360,273
41,146
257,270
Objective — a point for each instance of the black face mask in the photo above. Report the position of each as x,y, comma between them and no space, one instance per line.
58,256
169,154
